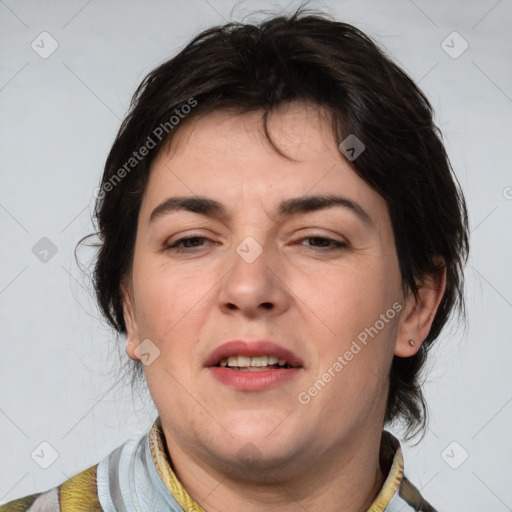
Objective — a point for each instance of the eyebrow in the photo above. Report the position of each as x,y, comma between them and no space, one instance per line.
295,206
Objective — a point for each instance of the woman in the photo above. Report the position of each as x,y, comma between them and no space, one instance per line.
282,242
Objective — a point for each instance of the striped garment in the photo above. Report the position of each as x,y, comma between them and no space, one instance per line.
137,477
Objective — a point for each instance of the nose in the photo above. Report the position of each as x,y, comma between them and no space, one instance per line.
254,287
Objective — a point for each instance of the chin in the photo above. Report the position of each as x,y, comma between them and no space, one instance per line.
256,460
259,426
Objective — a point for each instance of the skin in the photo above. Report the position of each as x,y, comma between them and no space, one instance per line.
317,456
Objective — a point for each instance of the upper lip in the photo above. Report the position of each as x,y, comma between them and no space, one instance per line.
252,349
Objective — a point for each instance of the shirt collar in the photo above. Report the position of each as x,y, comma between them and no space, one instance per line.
390,458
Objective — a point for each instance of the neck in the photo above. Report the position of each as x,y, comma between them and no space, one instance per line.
346,479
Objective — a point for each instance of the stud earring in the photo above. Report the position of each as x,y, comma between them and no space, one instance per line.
411,342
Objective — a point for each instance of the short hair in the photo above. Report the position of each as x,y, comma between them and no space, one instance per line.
307,57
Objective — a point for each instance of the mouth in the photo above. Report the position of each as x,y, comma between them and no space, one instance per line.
253,365
245,355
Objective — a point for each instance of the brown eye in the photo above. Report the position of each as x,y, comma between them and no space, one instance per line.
322,243
187,243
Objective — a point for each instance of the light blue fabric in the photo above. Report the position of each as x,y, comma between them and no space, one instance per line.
128,481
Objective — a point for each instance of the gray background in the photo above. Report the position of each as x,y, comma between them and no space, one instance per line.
58,377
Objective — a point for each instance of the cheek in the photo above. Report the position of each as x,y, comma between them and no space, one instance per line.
167,300
352,295
359,310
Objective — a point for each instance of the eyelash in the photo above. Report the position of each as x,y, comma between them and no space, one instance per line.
337,244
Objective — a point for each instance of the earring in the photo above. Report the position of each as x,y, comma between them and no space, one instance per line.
411,342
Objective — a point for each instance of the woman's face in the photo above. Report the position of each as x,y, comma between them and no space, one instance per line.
322,284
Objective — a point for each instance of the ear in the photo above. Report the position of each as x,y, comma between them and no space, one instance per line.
132,338
419,313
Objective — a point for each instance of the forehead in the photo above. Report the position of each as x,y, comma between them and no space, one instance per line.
226,156
300,130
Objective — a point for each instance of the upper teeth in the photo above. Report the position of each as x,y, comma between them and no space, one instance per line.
252,361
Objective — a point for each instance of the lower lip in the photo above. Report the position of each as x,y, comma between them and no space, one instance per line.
253,380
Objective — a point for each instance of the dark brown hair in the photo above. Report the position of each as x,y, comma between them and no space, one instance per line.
305,56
